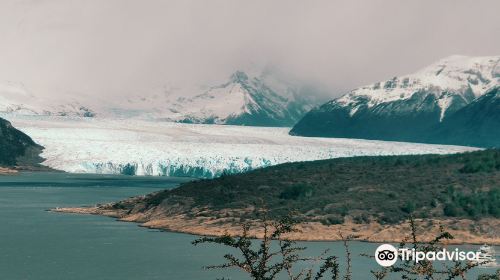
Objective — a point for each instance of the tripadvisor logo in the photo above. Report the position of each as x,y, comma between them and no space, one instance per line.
387,255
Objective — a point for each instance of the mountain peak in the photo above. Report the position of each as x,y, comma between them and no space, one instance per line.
239,76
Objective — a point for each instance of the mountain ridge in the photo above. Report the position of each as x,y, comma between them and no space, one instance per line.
406,108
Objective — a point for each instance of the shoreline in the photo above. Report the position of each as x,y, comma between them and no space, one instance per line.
8,171
308,231
16,170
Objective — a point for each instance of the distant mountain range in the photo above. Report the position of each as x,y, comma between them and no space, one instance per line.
266,99
453,101
16,99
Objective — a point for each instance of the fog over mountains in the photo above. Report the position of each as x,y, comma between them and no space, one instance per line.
264,99
63,48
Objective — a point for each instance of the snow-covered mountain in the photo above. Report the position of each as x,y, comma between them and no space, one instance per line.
405,108
257,100
266,99
16,99
141,147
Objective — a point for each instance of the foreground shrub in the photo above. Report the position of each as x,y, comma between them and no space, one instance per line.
260,262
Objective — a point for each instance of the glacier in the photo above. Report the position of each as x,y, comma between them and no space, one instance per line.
141,147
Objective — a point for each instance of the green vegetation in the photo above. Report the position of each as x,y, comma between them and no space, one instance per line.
474,205
481,162
296,192
385,189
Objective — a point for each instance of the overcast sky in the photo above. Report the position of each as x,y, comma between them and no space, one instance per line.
114,47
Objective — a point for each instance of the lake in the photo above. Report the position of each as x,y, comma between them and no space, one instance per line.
36,244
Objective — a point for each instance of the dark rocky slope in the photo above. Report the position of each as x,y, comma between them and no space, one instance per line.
17,148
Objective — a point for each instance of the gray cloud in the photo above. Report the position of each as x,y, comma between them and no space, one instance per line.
114,47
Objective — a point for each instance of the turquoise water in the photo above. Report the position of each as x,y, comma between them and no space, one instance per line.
36,244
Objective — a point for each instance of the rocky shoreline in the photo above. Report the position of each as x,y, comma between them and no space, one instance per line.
7,171
26,168
484,231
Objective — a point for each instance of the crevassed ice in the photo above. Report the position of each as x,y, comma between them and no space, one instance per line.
137,147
